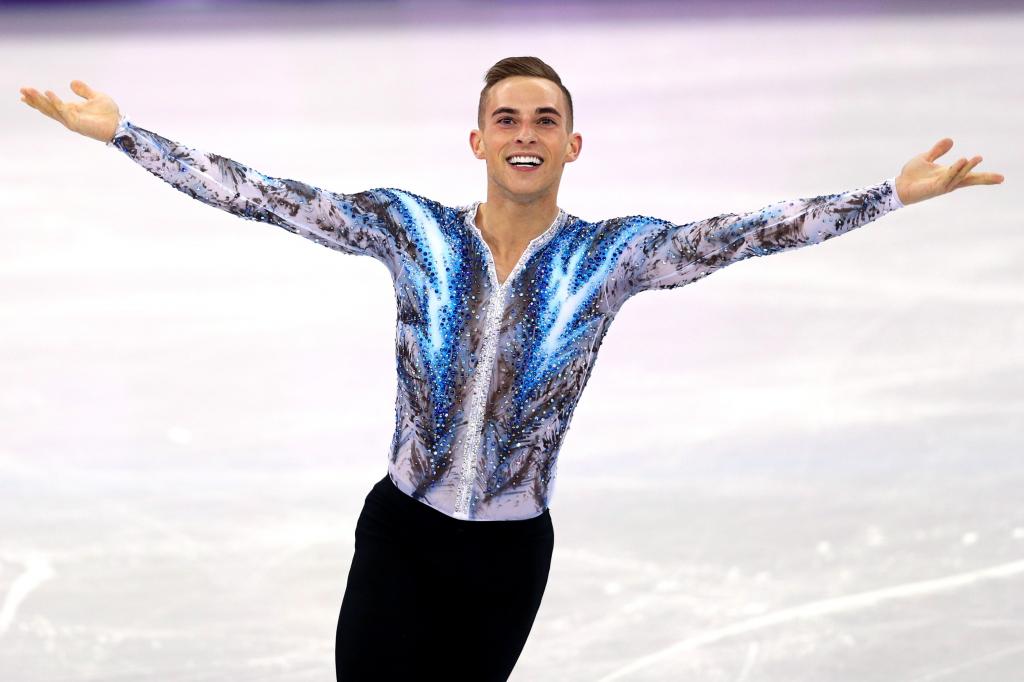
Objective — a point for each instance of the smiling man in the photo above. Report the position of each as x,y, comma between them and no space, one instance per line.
525,135
502,306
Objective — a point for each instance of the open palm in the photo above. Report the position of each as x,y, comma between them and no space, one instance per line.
96,117
921,178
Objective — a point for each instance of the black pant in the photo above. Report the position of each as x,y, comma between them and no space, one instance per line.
434,597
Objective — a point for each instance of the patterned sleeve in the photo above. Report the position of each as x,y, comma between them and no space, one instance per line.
658,254
356,224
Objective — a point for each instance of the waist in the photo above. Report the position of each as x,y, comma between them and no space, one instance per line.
422,517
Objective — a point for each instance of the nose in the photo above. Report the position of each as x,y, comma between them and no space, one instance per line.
525,134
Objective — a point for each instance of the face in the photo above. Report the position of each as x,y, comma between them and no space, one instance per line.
525,119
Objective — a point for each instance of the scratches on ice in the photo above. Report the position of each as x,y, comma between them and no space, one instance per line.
37,571
823,607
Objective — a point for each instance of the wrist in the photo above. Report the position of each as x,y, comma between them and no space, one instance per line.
899,189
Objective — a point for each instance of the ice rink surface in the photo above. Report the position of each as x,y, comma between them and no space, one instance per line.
807,467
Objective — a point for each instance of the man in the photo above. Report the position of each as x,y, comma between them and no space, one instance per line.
502,307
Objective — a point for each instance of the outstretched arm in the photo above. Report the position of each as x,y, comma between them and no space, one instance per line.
352,223
657,254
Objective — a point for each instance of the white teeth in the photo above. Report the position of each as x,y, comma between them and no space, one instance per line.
532,160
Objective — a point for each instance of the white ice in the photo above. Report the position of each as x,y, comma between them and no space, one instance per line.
806,467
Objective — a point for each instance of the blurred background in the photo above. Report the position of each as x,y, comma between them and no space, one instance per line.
806,467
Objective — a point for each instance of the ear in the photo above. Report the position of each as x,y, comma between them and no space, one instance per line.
476,143
575,147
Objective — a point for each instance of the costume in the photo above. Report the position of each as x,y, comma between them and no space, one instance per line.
489,372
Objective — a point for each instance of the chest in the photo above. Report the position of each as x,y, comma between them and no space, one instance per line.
507,258
506,263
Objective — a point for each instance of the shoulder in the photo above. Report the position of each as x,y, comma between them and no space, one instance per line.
629,226
404,197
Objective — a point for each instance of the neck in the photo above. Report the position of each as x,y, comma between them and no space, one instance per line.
509,225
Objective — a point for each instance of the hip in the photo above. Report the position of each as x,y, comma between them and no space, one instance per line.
389,513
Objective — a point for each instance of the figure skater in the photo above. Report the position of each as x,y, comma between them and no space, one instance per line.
501,309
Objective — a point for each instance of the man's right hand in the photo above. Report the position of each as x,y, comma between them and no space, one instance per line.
96,117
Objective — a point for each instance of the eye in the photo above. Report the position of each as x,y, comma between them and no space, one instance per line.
505,118
549,120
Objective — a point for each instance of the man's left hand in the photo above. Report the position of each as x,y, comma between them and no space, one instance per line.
922,178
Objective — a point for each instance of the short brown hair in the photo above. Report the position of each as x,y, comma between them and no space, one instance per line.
520,66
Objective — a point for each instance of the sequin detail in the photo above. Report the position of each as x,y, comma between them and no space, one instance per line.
489,374
495,310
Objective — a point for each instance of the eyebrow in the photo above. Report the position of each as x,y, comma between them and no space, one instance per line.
539,110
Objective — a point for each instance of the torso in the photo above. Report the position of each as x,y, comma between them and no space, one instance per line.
489,373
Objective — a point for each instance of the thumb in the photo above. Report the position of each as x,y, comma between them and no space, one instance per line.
83,90
940,148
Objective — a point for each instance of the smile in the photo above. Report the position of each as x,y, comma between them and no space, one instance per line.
525,162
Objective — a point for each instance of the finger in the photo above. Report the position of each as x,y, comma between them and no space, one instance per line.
951,174
982,179
41,104
83,90
29,94
58,105
940,148
963,172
